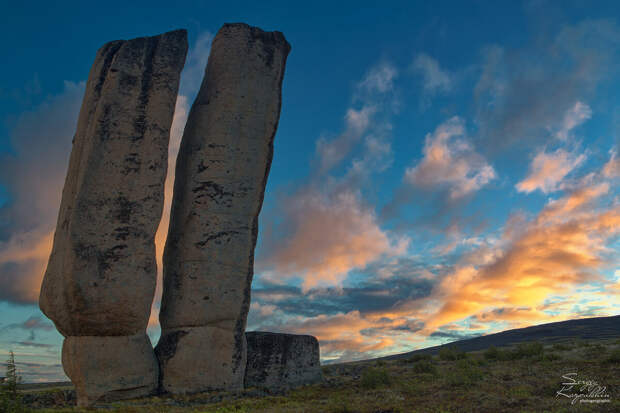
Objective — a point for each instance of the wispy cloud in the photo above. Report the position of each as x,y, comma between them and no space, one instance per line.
522,93
612,167
573,117
379,79
331,152
32,323
434,78
371,94
450,161
547,170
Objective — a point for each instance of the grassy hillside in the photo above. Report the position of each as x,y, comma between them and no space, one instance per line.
583,329
525,377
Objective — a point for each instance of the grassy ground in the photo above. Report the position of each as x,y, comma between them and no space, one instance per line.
524,378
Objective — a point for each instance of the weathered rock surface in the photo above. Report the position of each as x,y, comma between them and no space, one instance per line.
221,173
101,274
281,361
110,368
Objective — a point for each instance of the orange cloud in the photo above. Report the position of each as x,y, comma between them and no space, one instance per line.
331,238
564,247
451,162
345,332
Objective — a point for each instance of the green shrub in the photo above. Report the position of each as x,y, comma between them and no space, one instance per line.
419,357
464,373
482,362
560,347
594,351
492,353
374,377
520,392
551,357
451,353
424,366
529,349
614,357
12,403
342,408
231,409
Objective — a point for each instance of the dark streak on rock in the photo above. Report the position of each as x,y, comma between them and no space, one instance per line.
123,209
215,237
166,349
109,50
147,79
132,163
214,191
202,167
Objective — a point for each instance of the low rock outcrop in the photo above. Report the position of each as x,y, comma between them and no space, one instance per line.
281,361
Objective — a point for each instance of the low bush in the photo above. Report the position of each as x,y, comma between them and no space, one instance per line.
529,350
12,403
231,409
374,377
560,347
492,353
465,373
419,357
424,366
551,357
451,353
614,357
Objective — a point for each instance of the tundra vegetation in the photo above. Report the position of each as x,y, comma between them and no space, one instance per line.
521,378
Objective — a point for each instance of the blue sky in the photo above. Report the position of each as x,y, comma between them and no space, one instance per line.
441,169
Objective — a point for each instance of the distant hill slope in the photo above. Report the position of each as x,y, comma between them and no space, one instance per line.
585,328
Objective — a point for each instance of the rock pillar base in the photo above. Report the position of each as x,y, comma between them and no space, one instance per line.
187,369
110,368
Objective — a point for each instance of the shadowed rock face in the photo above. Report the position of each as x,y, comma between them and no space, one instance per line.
100,279
221,173
281,361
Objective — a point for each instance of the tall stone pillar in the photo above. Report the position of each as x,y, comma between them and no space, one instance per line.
221,173
100,279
